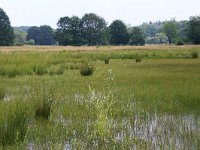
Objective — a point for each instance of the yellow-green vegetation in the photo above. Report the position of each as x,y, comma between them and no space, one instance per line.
45,102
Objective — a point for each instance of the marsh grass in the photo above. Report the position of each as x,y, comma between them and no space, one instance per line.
56,71
13,126
150,105
86,69
106,60
195,54
44,101
2,92
40,69
138,60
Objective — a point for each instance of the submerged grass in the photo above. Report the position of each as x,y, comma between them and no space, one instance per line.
149,105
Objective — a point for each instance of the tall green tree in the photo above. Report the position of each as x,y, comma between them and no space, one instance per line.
170,29
68,32
137,36
48,35
93,30
6,31
194,29
182,27
118,33
43,35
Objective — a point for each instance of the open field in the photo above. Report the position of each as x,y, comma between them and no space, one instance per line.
46,104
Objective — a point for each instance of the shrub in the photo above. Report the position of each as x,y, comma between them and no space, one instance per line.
138,59
106,60
180,42
195,54
86,70
30,42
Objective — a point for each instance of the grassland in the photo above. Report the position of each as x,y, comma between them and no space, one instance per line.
46,104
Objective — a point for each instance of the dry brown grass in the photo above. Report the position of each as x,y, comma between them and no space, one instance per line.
92,48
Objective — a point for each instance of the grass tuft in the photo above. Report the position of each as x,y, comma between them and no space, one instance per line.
2,93
13,127
195,54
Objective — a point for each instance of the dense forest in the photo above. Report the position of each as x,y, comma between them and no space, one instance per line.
92,29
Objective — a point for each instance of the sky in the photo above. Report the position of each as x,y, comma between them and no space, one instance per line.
133,12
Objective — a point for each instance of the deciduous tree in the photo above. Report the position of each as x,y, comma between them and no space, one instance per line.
118,33
6,31
93,30
170,29
68,32
137,36
194,29
43,35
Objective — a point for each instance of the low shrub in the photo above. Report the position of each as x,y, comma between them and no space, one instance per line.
179,42
107,60
195,54
138,59
86,70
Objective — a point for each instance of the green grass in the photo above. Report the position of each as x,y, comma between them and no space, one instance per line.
46,103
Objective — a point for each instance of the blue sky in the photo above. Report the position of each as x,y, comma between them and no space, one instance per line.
133,12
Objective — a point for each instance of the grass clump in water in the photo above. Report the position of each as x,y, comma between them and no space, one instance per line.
43,110
44,106
13,126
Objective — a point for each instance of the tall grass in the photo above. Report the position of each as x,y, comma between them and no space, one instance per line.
13,126
2,92
44,100
150,105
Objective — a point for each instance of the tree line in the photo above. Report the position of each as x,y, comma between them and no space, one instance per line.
92,29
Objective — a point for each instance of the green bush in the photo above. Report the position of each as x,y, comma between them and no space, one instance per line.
86,70
106,60
179,42
195,54
138,59
30,42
